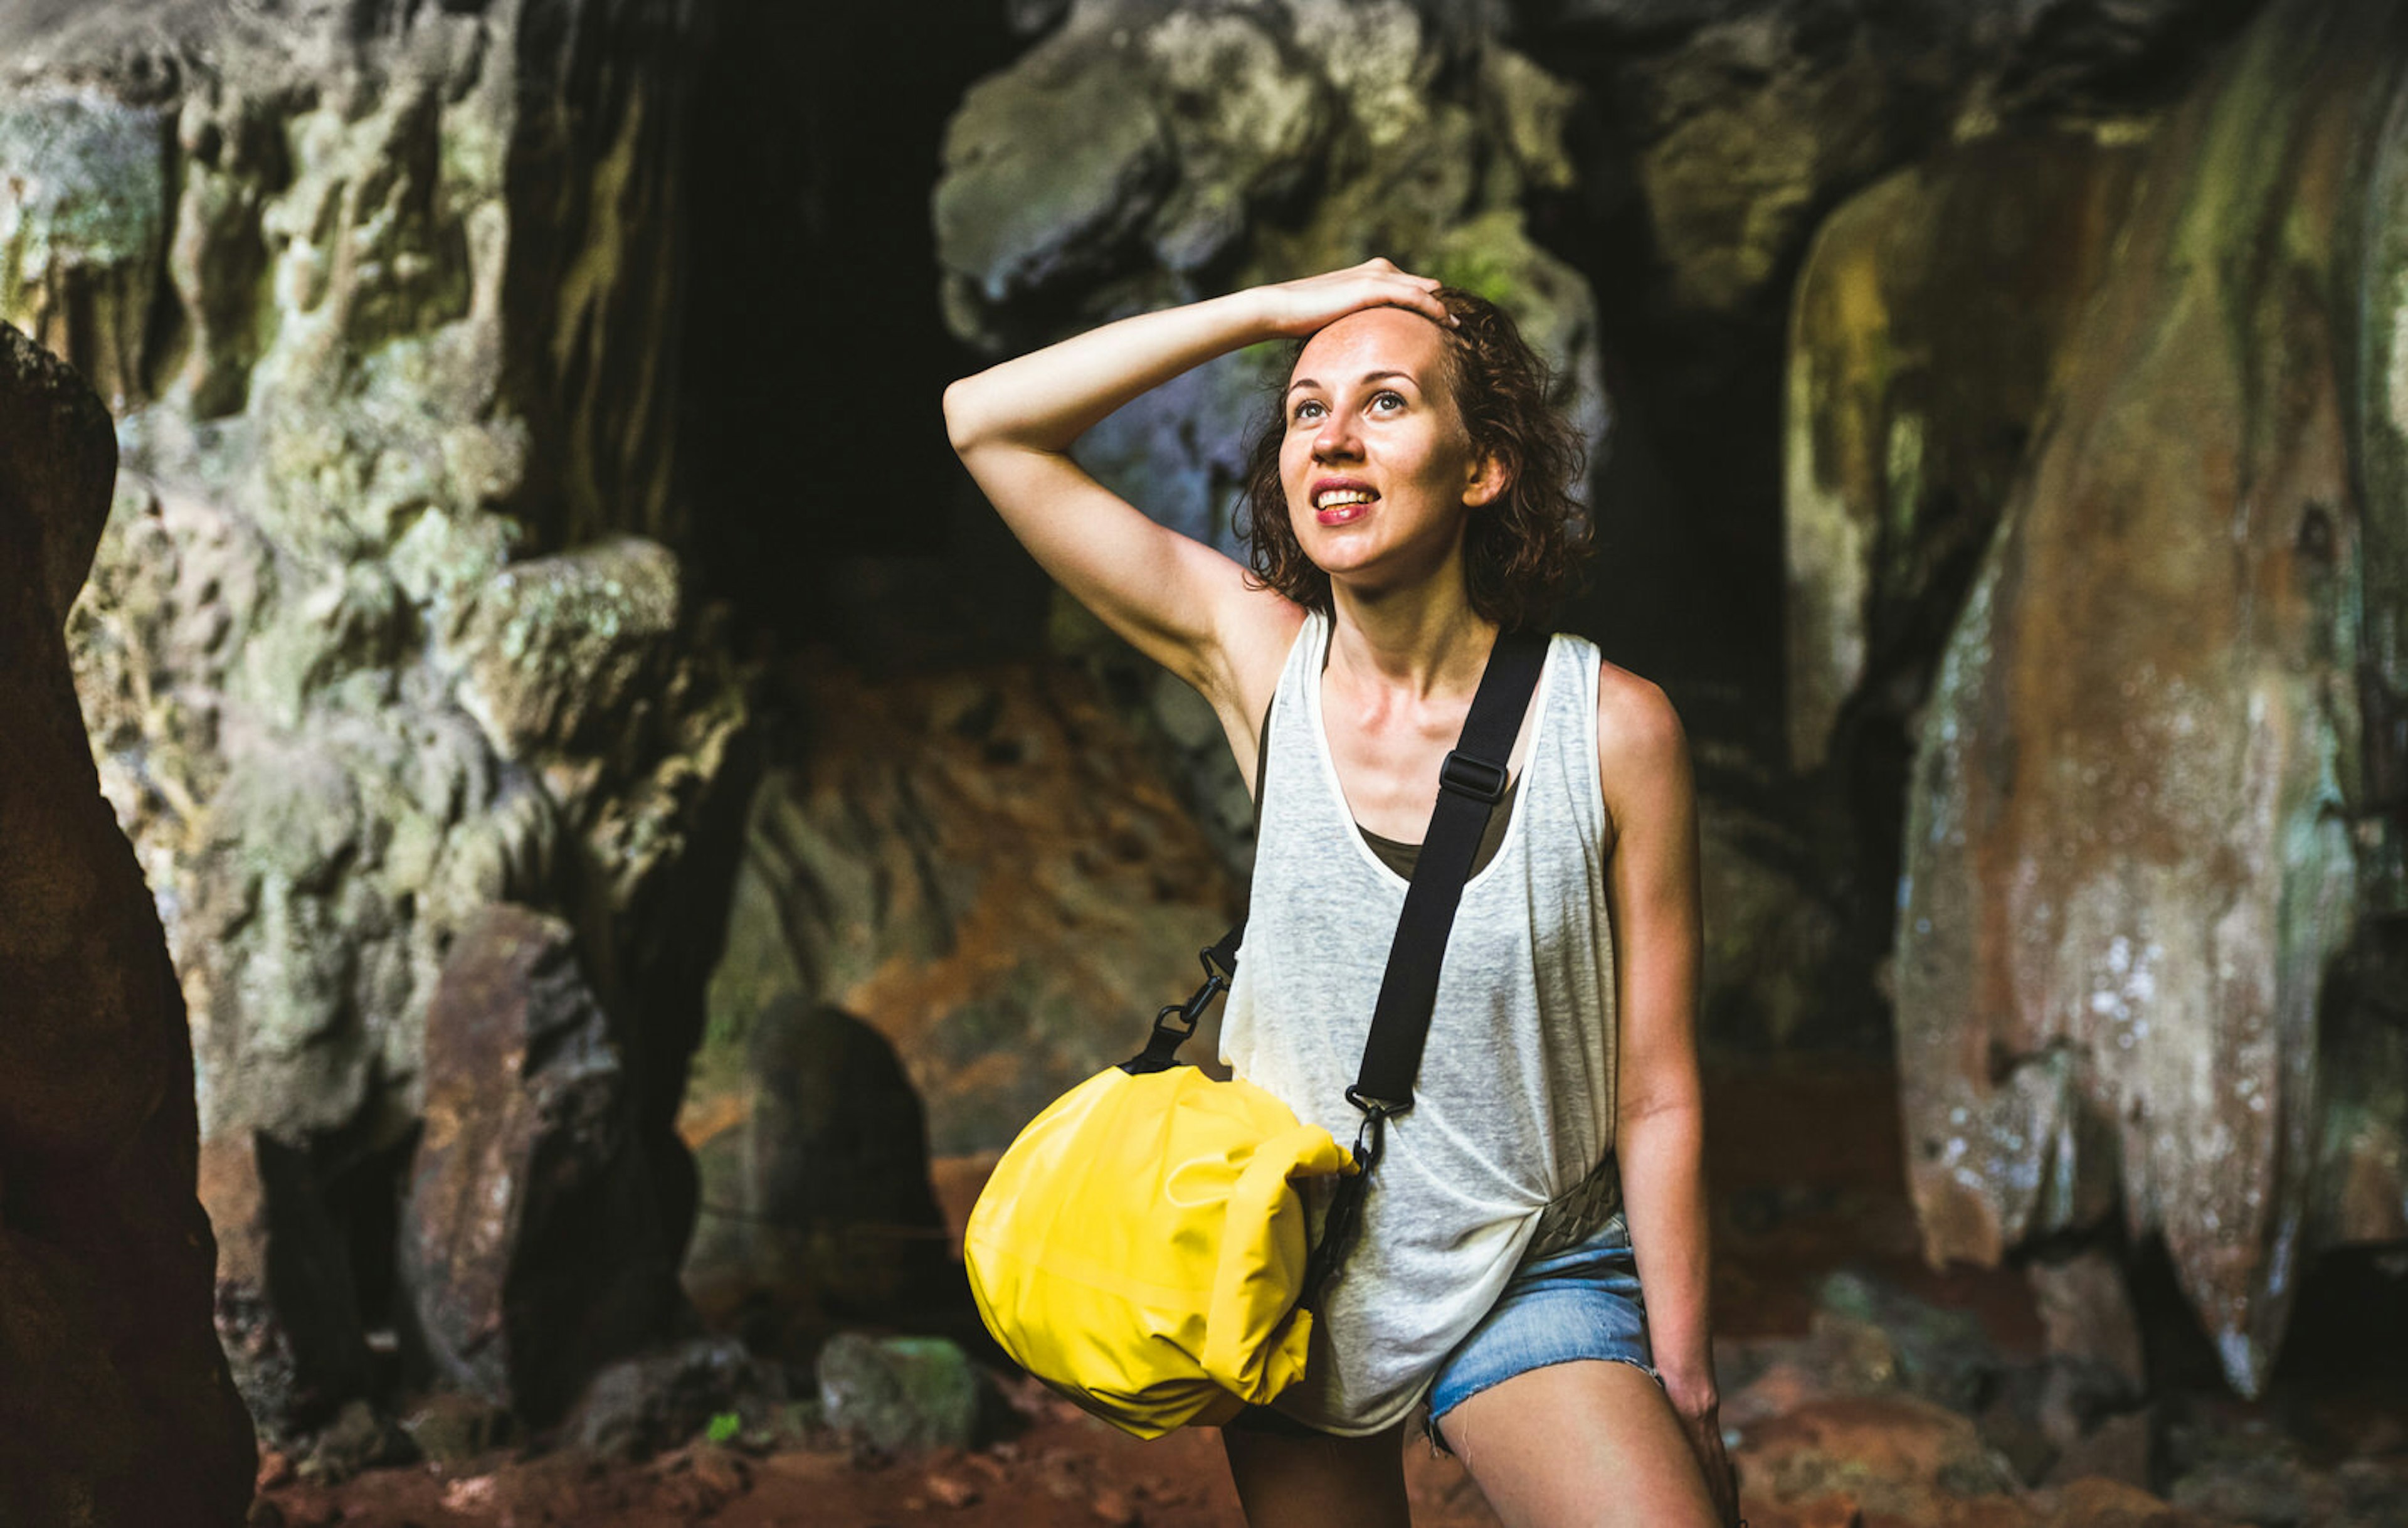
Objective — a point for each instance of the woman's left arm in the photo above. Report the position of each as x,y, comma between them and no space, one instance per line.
1660,1110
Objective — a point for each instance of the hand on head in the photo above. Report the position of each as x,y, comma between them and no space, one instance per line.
1309,304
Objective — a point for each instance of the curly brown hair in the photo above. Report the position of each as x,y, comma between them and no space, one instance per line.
1525,551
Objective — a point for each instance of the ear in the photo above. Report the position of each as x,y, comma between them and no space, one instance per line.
1486,480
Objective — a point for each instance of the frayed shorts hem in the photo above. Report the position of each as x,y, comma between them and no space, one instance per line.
1430,1420
1581,1303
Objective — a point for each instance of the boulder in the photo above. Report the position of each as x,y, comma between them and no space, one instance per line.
657,1400
1941,1355
116,1405
1830,1460
2132,849
815,1196
287,1307
898,1393
533,1244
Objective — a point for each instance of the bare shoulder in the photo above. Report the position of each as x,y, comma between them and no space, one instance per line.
1643,751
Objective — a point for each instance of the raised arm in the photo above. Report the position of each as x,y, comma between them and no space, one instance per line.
1652,893
1176,599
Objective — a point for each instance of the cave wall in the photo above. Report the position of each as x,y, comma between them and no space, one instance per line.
2147,889
383,631
1645,196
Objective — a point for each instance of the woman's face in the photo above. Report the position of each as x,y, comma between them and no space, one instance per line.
1379,473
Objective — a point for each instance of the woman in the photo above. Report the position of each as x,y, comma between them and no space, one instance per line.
1410,502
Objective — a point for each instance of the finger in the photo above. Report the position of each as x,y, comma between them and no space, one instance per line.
1414,300
1423,298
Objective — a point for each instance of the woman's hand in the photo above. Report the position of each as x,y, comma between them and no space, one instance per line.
1299,308
1702,1419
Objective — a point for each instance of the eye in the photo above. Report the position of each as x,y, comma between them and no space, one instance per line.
1387,398
1307,410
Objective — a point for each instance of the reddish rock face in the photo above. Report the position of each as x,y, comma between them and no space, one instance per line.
533,1244
288,1312
2129,861
115,1404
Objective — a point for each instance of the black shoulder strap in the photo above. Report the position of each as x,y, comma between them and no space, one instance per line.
1470,784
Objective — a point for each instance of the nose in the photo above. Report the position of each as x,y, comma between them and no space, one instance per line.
1335,441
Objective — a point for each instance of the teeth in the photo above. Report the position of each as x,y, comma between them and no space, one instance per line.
1344,496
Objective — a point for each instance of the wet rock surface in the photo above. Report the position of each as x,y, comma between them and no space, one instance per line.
105,1254
2136,846
655,1401
1930,323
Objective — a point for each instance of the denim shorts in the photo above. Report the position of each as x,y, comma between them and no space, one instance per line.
1580,1303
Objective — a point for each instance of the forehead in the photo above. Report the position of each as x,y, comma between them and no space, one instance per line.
1374,340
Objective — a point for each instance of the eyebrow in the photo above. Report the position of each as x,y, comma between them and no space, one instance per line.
1368,375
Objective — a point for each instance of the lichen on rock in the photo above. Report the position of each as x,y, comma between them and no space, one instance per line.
81,223
380,632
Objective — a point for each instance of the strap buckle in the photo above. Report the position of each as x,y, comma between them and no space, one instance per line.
1175,1023
1477,778
1220,965
1376,1108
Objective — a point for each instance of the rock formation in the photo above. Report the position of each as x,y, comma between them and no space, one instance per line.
532,1242
989,871
116,1406
812,1147
382,630
926,870
1929,324
2153,829
1145,154
393,620
1656,177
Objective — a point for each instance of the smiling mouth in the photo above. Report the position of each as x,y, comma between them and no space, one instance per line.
1336,505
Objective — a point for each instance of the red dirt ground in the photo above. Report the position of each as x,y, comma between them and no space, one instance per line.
1807,1177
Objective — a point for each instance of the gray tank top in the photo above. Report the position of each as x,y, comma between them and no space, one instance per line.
1514,1109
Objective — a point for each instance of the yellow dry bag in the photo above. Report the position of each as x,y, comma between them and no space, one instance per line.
1141,1248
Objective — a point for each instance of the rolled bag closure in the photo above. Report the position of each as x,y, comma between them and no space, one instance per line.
1256,1334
